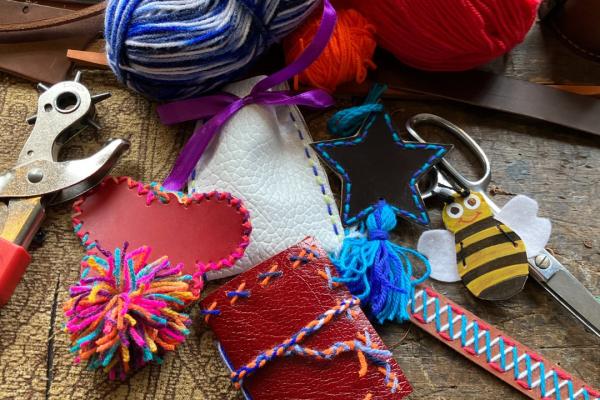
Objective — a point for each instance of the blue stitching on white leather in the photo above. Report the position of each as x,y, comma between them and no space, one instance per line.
336,230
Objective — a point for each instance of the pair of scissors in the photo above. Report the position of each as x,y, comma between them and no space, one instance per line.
39,180
543,267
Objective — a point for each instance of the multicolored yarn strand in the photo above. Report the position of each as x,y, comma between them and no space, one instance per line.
366,350
378,271
281,349
168,50
126,312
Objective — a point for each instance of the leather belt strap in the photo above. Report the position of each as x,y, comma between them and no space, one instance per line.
497,92
493,350
86,19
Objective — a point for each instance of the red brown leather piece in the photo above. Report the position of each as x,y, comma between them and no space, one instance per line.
273,313
206,231
39,61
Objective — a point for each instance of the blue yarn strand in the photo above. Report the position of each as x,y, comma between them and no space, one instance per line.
173,49
348,121
378,271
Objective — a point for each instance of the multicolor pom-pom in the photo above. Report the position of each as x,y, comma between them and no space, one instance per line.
127,312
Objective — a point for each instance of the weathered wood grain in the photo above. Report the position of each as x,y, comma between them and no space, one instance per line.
559,168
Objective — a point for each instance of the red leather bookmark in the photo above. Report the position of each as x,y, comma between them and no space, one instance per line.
285,334
493,350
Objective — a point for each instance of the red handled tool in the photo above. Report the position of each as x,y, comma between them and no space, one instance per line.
39,180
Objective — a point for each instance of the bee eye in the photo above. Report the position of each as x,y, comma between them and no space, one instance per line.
472,202
454,210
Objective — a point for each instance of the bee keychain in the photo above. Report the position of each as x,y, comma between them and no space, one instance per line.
493,250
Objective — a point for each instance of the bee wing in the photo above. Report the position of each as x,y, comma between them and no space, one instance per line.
438,246
520,215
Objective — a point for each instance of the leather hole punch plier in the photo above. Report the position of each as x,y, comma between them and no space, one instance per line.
39,180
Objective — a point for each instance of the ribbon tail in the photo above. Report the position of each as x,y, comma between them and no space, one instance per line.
308,56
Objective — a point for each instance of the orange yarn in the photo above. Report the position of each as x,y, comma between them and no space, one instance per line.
347,58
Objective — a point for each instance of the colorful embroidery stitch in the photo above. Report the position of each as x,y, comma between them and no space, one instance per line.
529,370
364,348
210,311
422,216
239,292
327,197
304,257
154,192
266,276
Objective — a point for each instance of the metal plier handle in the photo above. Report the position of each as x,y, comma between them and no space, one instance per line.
39,179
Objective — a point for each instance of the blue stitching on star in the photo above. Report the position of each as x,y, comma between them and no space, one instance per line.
422,217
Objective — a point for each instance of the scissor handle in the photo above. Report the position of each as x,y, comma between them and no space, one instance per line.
446,168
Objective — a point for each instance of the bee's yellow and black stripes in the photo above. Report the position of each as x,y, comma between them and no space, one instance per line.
491,259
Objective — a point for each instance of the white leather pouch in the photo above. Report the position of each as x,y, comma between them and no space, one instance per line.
262,156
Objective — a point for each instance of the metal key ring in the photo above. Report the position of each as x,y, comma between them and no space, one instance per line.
445,168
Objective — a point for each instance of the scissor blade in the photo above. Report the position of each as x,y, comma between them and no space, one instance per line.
568,291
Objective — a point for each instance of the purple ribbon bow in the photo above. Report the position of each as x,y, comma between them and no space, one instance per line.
222,106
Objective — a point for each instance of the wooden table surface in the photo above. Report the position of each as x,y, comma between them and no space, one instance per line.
556,166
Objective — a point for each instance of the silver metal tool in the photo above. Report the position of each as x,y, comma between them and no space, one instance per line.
544,268
39,179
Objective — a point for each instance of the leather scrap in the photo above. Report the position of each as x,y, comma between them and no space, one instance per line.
121,210
34,38
16,12
90,59
376,164
263,157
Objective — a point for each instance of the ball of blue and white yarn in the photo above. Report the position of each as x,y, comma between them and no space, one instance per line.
174,49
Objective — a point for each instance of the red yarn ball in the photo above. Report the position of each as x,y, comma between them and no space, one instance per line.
347,57
449,35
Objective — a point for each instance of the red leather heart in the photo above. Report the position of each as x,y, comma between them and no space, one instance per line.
205,231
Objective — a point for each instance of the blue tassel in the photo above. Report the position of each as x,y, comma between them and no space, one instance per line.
348,121
378,271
